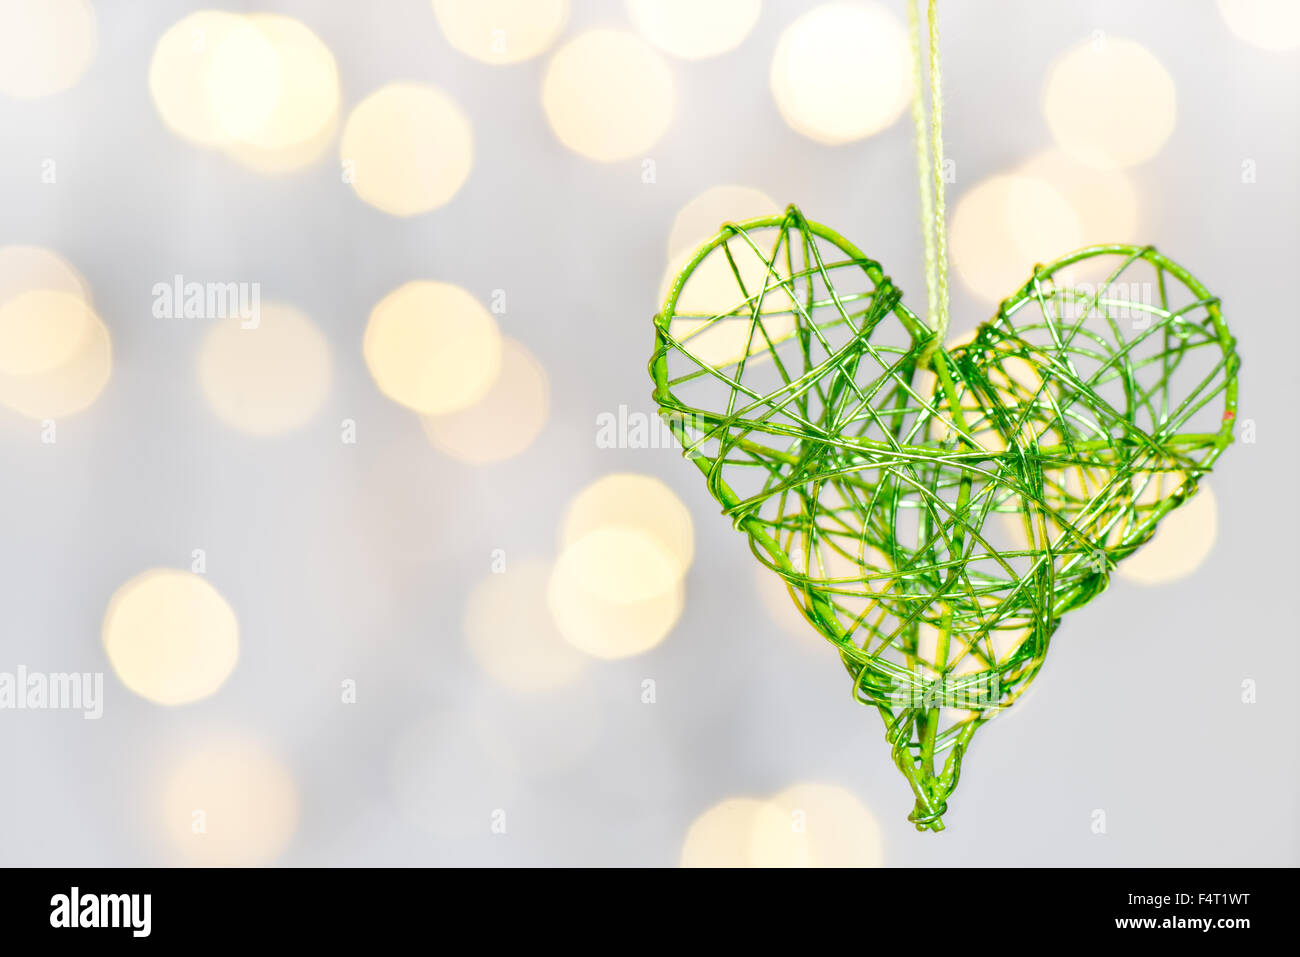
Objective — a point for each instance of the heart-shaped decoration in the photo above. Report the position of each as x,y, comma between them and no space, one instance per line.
935,511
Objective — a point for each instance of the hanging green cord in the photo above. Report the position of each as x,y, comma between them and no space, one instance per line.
929,166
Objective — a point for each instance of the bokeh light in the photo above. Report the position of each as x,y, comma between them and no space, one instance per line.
713,290
505,421
304,116
262,87
1004,225
501,31
242,83
622,563
1269,24
228,803
68,388
432,347
407,148
178,74
268,379
510,632
632,501
806,825
41,329
615,592
694,29
776,603
45,45
55,352
1110,103
25,268
1183,540
723,835
608,95
701,217
1105,202
815,825
713,284
170,636
840,72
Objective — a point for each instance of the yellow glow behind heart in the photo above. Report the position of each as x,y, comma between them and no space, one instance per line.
1001,228
1183,540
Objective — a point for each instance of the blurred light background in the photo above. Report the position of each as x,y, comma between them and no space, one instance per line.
381,552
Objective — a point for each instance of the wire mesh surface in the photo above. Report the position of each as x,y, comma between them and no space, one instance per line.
935,523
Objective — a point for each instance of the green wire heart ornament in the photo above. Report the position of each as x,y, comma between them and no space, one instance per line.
934,524
935,510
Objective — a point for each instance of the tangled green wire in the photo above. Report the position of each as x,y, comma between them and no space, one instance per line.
935,519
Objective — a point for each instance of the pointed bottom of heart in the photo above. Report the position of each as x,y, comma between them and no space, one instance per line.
930,761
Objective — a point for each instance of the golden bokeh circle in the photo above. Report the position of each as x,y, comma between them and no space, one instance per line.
608,95
243,80
229,803
722,835
1105,201
45,45
265,379
808,824
178,71
841,72
262,87
1183,541
1110,103
694,29
702,216
40,330
1004,225
432,347
27,268
504,421
296,131
58,352
170,636
633,501
1272,25
812,824
407,148
615,592
501,31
